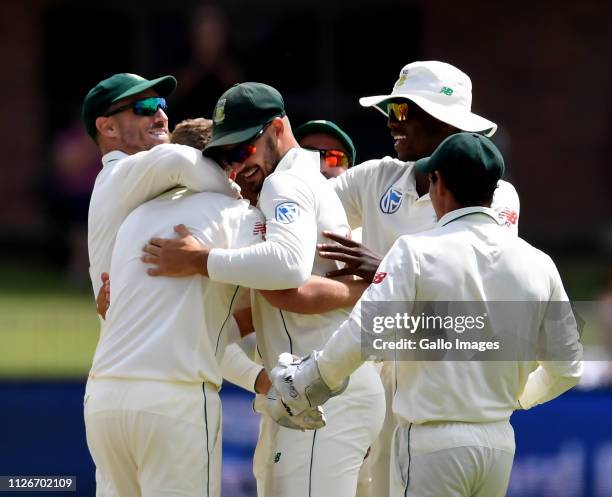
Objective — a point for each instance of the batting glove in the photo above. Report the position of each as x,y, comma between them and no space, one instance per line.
270,404
299,383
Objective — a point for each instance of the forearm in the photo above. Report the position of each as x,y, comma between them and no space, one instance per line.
237,368
544,385
267,265
317,295
341,354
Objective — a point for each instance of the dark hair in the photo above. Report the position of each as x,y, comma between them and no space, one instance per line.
469,185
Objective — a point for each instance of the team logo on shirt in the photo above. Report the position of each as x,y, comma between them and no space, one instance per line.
287,212
508,217
391,200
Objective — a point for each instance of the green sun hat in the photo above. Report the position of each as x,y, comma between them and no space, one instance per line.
243,111
330,128
118,87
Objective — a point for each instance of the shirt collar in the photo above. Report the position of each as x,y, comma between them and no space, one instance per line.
288,160
449,217
112,157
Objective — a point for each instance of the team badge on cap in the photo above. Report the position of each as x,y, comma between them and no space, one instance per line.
391,200
287,212
219,115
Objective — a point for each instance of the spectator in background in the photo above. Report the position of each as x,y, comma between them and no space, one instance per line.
211,70
335,146
598,373
66,190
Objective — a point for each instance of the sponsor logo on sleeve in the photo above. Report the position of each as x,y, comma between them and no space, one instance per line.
508,217
287,212
259,228
391,200
378,277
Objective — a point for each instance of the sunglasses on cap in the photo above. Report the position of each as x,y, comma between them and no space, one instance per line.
143,107
397,111
241,152
333,157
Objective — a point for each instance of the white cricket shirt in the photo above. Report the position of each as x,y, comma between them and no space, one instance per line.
126,181
172,329
468,257
298,204
381,196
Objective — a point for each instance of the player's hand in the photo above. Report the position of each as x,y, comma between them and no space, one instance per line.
299,383
359,259
182,256
103,298
271,404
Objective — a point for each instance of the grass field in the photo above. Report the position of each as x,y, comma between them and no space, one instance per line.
49,329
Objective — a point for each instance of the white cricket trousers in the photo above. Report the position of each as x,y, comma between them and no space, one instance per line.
324,462
374,477
452,459
154,439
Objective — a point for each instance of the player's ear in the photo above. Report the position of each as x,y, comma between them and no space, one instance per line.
436,182
278,125
107,127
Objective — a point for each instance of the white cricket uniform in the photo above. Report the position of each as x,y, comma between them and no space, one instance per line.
454,437
299,203
380,195
127,181
152,409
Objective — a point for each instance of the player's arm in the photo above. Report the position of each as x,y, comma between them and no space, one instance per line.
559,352
324,374
317,295
284,260
238,369
145,175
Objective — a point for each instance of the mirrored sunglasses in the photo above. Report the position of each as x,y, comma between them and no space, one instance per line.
241,152
333,158
397,111
143,107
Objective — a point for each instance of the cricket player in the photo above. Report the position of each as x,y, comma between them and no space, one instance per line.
453,436
252,133
388,197
335,147
125,115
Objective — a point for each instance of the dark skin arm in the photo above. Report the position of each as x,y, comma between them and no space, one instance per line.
359,259
103,298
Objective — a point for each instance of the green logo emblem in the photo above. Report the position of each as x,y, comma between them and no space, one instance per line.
219,115
277,457
446,90
400,81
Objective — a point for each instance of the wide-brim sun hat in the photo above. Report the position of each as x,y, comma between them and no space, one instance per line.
441,90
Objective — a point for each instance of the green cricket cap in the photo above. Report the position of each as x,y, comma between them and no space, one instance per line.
329,128
118,87
471,152
243,111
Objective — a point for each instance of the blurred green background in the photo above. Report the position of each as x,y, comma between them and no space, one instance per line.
49,326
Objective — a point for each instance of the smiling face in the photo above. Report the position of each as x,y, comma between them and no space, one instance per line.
260,164
131,133
419,134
